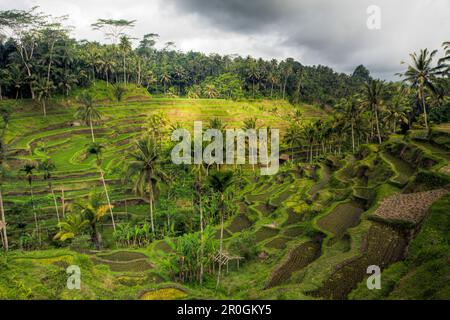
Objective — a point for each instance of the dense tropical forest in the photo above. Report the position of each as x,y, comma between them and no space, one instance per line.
87,179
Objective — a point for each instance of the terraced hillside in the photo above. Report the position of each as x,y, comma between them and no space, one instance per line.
64,139
308,232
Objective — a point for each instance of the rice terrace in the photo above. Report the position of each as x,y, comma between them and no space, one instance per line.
88,182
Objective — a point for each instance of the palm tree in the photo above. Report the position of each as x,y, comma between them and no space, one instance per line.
199,170
28,169
220,181
96,149
250,124
350,107
210,91
254,75
144,166
421,75
308,134
2,209
293,137
47,166
124,48
396,111
107,65
165,79
88,112
43,88
119,90
372,99
446,58
73,225
93,210
273,80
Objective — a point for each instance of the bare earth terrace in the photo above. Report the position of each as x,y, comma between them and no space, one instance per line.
410,208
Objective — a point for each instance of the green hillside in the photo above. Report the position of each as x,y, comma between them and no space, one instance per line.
298,233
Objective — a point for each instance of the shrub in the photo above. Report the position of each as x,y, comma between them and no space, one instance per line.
119,90
244,245
82,242
440,114
427,180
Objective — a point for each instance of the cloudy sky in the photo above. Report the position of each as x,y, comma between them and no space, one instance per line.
328,32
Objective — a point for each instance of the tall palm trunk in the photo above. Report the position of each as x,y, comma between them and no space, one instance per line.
44,107
201,239
150,198
377,123
92,130
221,241
95,237
353,138
63,202
424,108
34,211
2,211
107,198
55,202
200,205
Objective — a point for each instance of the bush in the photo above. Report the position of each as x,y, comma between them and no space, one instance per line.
82,242
440,114
244,245
119,90
428,180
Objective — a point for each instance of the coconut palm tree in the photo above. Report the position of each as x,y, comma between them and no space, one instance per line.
144,166
28,170
165,79
43,88
396,110
47,167
199,171
73,225
220,181
107,65
293,137
3,169
308,134
93,210
444,61
421,75
250,124
96,149
88,112
210,91
350,108
372,100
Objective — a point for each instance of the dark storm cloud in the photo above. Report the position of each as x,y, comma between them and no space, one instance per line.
332,32
328,32
238,15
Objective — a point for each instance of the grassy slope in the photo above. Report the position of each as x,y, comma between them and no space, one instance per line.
31,137
279,211
425,272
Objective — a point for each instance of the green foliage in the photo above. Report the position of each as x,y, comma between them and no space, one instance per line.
244,245
440,114
127,235
189,253
428,180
